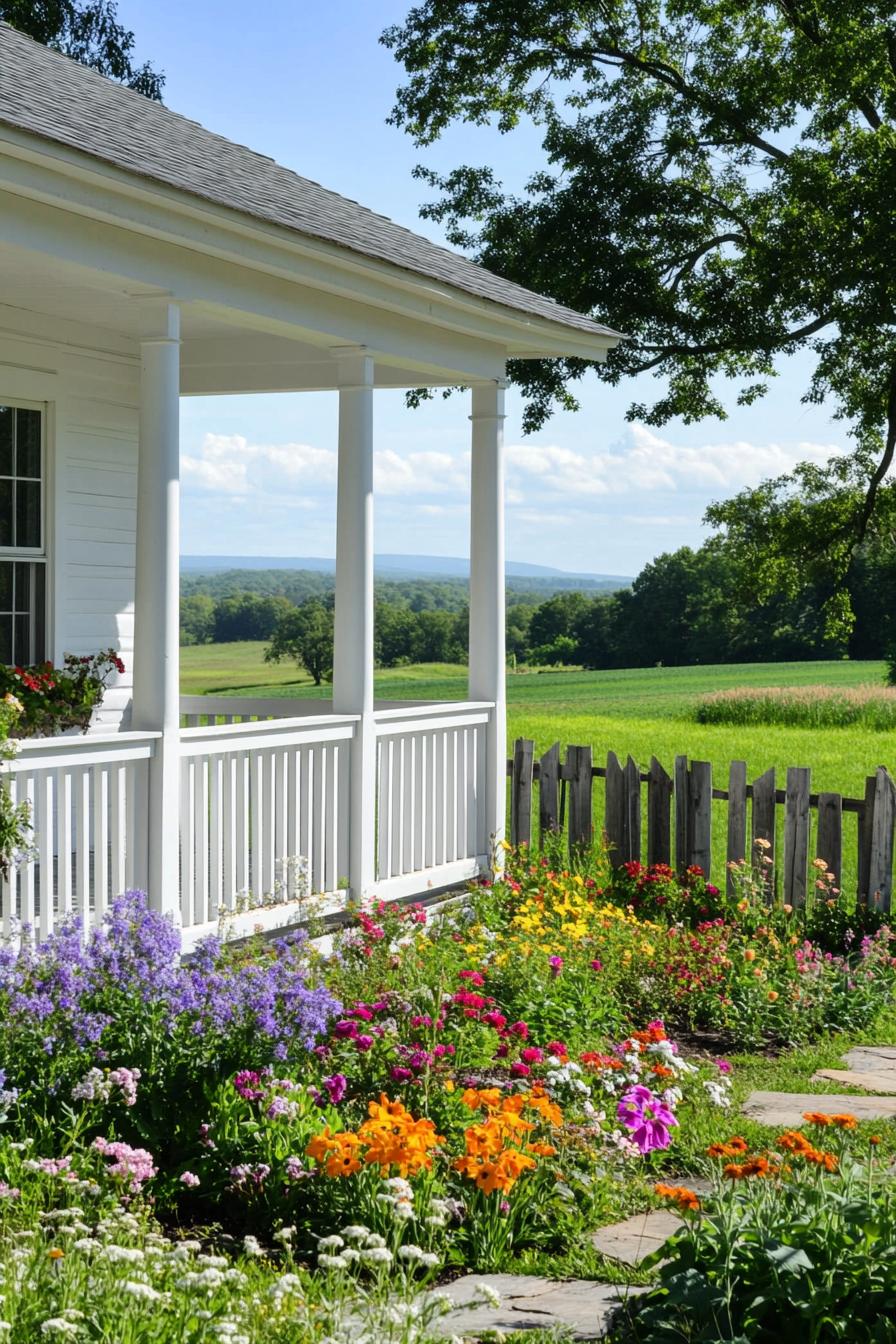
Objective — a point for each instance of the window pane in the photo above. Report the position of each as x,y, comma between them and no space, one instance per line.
22,639
6,419
28,443
22,602
6,488
6,572
6,639
38,613
27,513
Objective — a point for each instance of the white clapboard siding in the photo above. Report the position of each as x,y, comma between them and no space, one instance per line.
263,812
431,764
89,829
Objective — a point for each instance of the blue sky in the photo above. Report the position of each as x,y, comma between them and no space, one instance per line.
310,85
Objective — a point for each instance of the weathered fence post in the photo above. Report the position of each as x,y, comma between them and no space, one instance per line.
796,835
700,816
682,809
631,817
659,807
737,820
829,836
521,792
578,773
614,810
880,870
865,830
549,792
763,823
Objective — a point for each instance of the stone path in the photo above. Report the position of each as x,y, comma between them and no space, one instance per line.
630,1241
871,1067
581,1306
786,1109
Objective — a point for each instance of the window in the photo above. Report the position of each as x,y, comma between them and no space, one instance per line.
23,565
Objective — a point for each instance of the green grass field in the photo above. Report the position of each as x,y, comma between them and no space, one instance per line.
642,712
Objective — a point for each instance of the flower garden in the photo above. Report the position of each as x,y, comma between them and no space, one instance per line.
305,1139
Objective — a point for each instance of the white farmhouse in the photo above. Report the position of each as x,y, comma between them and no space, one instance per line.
144,258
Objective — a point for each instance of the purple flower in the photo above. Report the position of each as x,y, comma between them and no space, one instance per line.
363,1043
399,1074
188,1179
648,1118
556,965
723,1066
335,1087
597,965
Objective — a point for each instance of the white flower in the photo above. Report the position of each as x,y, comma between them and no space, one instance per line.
123,1255
204,1278
284,1234
331,1243
400,1187
411,1252
213,1261
377,1255
144,1291
287,1283
403,1211
355,1232
332,1262
491,1296
57,1325
374,1239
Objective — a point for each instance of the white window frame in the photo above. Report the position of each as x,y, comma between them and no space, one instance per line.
37,554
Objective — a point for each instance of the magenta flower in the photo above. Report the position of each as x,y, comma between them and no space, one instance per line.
363,1043
520,1070
399,1074
335,1087
723,1066
597,965
648,1118
346,1028
556,965
531,1055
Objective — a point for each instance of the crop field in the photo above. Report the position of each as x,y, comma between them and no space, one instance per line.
640,711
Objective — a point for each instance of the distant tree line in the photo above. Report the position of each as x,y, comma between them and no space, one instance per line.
685,607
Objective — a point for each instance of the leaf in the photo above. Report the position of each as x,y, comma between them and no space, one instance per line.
789,1258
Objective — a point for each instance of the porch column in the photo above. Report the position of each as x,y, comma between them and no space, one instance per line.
353,639
156,614
487,655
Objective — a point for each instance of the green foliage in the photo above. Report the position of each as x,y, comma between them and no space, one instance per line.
305,634
54,699
89,31
716,183
797,1253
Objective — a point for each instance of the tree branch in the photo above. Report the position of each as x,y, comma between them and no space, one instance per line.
723,347
811,30
883,465
692,258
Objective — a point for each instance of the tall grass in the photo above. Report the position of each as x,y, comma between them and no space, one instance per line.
871,707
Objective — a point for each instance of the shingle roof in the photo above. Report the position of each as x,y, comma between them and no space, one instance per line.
54,97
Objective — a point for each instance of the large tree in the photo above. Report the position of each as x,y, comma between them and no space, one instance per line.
719,183
89,32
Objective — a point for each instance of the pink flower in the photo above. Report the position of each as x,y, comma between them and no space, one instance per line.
399,1074
556,965
520,1070
556,1048
363,1043
531,1055
723,1066
335,1087
188,1179
597,965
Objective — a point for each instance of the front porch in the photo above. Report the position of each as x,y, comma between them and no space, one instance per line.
265,812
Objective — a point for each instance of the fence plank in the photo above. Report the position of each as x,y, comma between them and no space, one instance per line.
737,819
865,831
549,791
682,808
614,810
829,838
700,815
521,792
880,870
631,820
659,807
796,835
578,766
763,824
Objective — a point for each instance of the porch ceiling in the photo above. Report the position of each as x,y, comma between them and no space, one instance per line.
220,351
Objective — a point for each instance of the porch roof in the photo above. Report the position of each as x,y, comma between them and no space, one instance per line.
48,95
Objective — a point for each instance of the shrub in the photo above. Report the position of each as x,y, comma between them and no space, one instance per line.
871,707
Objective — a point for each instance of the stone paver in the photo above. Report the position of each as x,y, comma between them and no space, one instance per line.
630,1241
787,1108
871,1067
528,1303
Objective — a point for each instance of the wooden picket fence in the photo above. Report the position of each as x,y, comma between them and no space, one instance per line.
671,821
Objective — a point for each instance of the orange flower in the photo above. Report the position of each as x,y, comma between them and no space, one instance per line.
772,995
794,1142
817,1118
685,1199
749,955
730,1148
660,1071
542,1149
844,1121
874,1139
337,1153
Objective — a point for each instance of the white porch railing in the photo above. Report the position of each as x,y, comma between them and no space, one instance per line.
88,809
264,812
431,762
